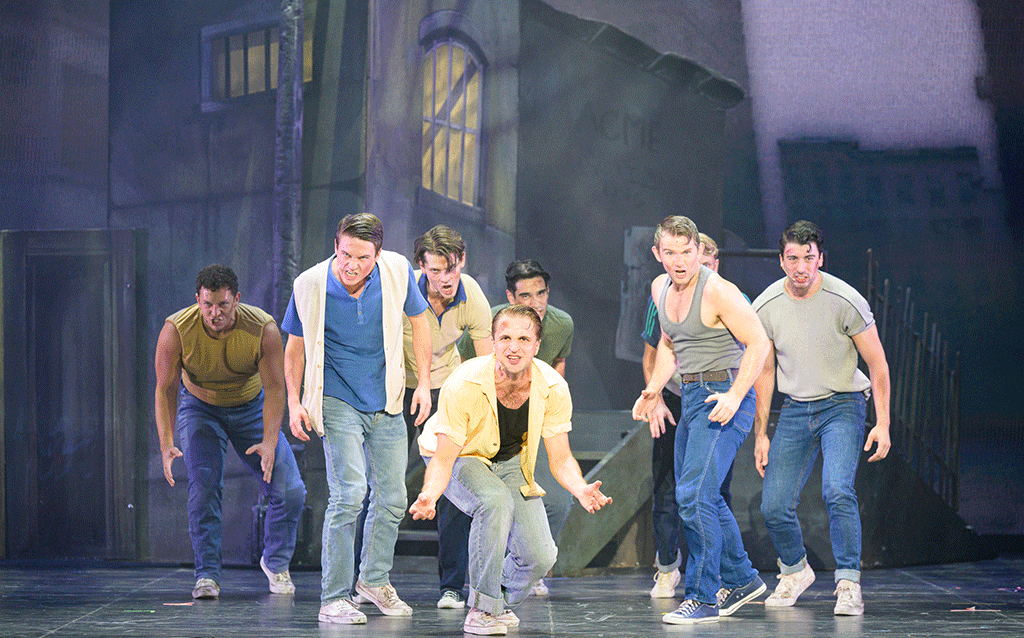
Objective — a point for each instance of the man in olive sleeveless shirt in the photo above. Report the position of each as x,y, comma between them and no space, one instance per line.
228,360
714,337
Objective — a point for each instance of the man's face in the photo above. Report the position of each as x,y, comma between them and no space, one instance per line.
515,343
680,257
532,292
711,261
442,281
218,308
800,263
354,260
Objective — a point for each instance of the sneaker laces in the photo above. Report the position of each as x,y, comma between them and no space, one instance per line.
722,594
844,594
688,607
281,579
663,578
387,595
787,584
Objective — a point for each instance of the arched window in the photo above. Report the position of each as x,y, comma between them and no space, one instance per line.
452,81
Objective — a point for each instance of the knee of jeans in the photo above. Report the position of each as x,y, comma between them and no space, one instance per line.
295,496
773,510
545,557
498,506
204,477
835,492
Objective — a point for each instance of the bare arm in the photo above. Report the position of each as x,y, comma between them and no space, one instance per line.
168,376
660,413
436,478
294,367
483,346
764,387
739,317
271,366
870,348
421,348
567,472
559,366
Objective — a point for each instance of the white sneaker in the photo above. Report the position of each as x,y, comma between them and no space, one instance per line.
665,584
451,599
279,583
386,599
508,618
848,599
481,623
206,588
341,612
540,589
790,587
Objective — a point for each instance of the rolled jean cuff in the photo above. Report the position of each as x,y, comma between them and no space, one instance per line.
848,574
792,569
485,603
668,568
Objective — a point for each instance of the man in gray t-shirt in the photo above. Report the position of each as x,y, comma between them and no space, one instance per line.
817,324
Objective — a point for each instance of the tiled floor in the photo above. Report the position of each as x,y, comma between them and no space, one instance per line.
969,599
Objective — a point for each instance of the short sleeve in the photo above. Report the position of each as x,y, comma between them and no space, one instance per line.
452,415
557,411
415,304
478,324
651,334
855,315
567,346
291,322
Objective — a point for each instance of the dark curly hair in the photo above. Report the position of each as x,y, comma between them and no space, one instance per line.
215,277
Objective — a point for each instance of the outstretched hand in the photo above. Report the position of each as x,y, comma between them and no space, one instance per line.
591,498
423,508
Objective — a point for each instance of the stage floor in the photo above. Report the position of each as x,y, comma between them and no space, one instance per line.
967,599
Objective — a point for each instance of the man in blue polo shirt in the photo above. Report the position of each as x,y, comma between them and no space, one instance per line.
345,352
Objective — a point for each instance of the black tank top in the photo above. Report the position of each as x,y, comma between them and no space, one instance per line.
512,425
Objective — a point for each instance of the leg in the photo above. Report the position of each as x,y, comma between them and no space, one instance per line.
791,458
557,500
476,491
704,449
665,511
286,493
452,545
203,444
841,430
531,550
346,482
386,453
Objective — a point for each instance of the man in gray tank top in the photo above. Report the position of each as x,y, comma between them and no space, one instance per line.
712,334
817,325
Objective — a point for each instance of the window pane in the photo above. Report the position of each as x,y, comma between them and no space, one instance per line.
455,165
236,59
257,61
473,97
455,103
428,87
274,52
425,169
469,168
218,66
440,142
441,80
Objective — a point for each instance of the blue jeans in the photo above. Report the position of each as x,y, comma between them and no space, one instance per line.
836,426
557,499
704,452
503,521
204,431
361,448
668,543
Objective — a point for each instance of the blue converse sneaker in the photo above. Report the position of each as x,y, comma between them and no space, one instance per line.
729,600
692,611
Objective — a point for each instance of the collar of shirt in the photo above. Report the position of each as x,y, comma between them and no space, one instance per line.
460,295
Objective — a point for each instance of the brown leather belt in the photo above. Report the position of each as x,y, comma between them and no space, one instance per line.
714,375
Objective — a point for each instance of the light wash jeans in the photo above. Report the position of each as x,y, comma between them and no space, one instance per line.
503,519
361,448
836,426
204,431
704,453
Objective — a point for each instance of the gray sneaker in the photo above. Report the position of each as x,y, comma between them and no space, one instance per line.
790,587
341,612
848,599
386,599
451,599
729,600
205,589
279,583
481,623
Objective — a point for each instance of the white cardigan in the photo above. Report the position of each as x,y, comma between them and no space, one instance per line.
310,300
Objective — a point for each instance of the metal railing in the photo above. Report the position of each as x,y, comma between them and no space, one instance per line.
925,380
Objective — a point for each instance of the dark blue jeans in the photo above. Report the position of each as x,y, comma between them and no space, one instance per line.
668,543
705,451
204,431
836,426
